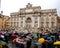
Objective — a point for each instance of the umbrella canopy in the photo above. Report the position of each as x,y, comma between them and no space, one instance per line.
2,36
14,40
13,35
6,34
57,43
2,33
3,43
41,40
34,34
0,40
19,40
46,41
0,46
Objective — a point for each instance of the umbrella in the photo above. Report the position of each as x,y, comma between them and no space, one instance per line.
0,46
3,43
57,43
41,40
35,35
14,40
2,36
13,35
6,34
46,41
3,33
0,40
20,40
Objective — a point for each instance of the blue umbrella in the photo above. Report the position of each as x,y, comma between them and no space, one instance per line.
0,40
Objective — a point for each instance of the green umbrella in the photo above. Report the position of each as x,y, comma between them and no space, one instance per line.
56,47
3,43
7,34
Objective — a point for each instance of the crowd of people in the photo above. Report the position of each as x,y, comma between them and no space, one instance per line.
29,40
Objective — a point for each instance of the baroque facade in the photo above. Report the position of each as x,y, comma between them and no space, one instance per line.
32,18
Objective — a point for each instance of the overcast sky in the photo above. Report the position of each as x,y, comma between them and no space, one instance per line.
9,6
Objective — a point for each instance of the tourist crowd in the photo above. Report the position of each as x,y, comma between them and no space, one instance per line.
30,40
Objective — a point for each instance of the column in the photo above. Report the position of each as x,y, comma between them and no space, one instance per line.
19,22
38,21
44,22
24,22
50,22
32,21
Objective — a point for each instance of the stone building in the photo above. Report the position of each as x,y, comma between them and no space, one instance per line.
33,18
7,23
58,23
1,20
4,21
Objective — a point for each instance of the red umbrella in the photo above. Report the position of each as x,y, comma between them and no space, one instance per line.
46,41
13,35
14,40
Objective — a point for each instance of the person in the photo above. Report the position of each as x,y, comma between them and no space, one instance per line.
21,42
6,37
29,40
50,41
5,46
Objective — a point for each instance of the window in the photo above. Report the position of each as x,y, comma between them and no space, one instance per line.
36,25
17,19
35,21
12,16
53,19
52,24
42,18
14,24
35,17
47,18
17,24
21,25
47,24
14,19
21,18
21,21
42,24
16,16
49,15
11,23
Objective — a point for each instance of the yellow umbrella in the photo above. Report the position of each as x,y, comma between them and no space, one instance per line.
41,40
57,43
0,46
